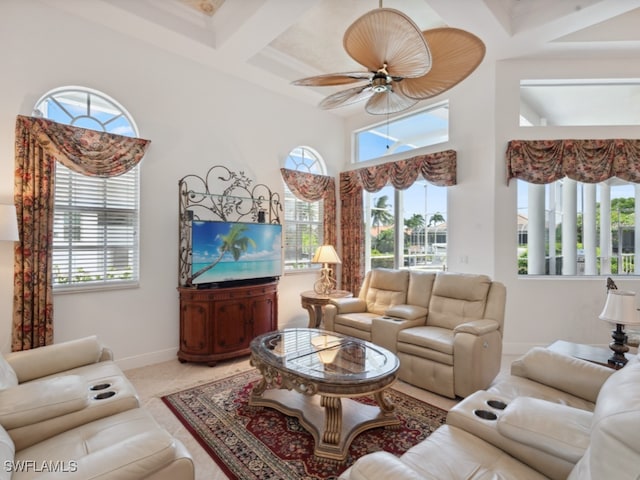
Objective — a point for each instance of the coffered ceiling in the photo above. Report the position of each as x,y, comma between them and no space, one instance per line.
272,42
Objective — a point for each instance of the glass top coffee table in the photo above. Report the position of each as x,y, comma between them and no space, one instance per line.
312,375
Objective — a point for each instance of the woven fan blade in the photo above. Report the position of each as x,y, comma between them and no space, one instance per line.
346,97
388,102
388,36
333,79
456,53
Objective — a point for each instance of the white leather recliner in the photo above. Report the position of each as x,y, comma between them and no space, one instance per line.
67,410
459,348
530,438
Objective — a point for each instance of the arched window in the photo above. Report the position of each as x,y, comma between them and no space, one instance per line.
303,220
95,233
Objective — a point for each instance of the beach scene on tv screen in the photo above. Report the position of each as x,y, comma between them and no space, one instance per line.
223,251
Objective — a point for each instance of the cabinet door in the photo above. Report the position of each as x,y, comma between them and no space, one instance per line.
194,321
231,326
263,315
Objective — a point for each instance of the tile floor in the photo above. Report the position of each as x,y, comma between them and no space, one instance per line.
154,381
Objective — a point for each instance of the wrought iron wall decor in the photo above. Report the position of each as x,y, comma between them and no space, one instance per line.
222,195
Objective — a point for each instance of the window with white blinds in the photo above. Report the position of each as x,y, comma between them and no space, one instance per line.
303,221
95,231
303,230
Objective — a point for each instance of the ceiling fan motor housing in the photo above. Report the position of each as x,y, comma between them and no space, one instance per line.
380,82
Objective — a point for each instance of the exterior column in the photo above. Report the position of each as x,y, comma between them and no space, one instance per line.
569,226
589,230
636,240
535,234
398,234
551,221
605,229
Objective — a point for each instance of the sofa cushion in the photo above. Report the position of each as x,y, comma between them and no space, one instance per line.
125,446
457,298
360,321
55,358
432,338
549,427
386,288
513,386
451,453
34,402
8,376
420,286
572,375
614,450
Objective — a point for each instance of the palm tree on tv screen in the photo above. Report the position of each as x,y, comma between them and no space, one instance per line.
234,242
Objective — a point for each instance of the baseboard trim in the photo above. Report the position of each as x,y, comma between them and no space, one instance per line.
145,359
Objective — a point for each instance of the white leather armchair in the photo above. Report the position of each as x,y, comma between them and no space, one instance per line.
68,410
541,439
48,390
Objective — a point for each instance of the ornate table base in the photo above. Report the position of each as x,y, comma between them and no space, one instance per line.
333,421
314,375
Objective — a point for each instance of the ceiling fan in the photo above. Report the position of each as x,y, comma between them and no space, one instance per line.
404,65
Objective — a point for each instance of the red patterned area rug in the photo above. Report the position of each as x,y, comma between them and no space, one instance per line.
251,443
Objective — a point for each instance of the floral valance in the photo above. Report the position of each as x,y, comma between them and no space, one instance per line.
438,168
588,161
89,152
308,187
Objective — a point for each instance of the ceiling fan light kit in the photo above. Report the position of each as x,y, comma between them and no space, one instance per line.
404,65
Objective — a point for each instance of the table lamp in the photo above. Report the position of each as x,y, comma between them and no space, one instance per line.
325,254
8,223
619,309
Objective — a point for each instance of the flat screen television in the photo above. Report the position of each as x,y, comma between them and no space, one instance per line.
229,253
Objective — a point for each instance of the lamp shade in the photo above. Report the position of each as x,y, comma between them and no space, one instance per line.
8,223
326,254
620,308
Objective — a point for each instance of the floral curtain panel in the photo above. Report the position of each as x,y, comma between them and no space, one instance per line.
437,168
39,143
311,187
588,161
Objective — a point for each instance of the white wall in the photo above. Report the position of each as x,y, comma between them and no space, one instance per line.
195,118
540,310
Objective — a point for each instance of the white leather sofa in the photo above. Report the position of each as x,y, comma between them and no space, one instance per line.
445,327
539,436
68,407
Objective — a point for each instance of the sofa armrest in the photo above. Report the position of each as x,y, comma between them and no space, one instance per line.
477,327
407,312
35,402
349,305
56,358
550,427
568,374
380,465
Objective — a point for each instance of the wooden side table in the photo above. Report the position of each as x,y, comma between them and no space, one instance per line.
589,353
315,302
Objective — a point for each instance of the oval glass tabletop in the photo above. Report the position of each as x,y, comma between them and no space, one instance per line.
324,356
